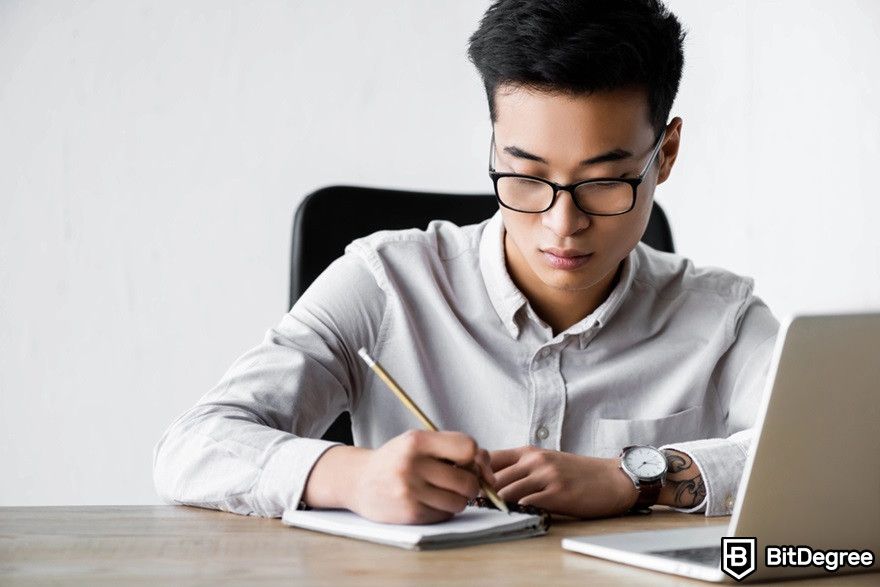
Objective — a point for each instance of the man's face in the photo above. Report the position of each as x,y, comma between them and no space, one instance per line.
565,131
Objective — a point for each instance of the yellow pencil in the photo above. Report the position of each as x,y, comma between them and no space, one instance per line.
405,399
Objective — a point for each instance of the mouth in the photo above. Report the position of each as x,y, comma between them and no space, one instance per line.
565,259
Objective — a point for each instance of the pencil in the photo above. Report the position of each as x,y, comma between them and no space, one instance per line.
426,421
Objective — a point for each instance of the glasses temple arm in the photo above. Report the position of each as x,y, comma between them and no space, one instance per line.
492,151
654,152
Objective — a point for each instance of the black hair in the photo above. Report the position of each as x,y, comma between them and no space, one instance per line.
580,47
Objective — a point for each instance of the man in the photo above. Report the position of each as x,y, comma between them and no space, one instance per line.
546,339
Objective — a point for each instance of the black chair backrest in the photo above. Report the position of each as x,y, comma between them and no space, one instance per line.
330,218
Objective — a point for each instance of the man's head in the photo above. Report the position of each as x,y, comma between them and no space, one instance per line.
578,89
581,47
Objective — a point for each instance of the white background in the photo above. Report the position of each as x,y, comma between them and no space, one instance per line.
152,154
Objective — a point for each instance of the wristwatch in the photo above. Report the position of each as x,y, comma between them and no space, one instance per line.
646,467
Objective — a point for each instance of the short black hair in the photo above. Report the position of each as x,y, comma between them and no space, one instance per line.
580,47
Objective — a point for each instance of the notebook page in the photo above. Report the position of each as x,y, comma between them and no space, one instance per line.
470,523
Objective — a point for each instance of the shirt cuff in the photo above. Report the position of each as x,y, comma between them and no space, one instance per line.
283,479
720,462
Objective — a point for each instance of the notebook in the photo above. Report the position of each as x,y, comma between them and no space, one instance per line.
474,525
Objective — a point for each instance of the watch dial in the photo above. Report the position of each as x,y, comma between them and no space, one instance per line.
645,462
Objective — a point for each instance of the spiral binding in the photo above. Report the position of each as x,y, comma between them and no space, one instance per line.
485,502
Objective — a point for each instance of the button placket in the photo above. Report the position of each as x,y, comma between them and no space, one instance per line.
549,397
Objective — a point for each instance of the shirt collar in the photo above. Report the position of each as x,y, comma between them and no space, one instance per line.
505,296
507,299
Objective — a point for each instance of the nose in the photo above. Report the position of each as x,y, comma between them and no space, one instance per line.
564,218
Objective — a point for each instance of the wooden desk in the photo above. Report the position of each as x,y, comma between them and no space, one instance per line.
173,545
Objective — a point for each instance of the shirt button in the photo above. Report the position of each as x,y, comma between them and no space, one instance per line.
729,501
542,433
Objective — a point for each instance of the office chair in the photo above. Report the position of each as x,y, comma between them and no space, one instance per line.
330,218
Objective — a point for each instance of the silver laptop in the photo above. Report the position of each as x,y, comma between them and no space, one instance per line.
811,486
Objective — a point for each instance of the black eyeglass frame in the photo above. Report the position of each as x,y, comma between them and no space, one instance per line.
634,182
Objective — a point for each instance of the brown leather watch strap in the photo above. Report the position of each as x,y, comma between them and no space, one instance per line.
649,493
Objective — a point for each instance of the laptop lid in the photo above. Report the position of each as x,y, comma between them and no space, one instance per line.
813,475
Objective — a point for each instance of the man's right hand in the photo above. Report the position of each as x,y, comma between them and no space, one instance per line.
411,479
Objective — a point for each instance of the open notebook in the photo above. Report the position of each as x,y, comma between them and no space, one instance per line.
475,525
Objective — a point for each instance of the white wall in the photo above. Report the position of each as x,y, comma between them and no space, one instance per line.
152,153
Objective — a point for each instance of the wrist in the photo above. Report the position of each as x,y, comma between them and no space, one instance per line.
329,482
667,493
646,468
625,490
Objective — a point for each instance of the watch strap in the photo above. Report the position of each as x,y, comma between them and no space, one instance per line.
649,493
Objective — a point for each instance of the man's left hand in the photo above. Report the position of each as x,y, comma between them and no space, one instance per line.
562,483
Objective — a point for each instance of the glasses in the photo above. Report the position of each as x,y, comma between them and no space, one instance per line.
602,196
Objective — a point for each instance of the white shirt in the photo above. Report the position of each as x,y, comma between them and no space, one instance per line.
676,355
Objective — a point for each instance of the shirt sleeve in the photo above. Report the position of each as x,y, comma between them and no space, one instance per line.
249,444
739,381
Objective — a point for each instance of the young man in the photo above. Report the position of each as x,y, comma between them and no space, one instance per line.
546,336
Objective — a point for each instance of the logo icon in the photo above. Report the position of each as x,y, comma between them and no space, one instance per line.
738,559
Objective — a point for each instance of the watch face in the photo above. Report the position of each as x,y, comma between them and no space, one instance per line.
645,462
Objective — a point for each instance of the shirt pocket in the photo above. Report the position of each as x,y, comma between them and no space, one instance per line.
612,435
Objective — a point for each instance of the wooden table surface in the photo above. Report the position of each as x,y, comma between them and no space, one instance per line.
177,545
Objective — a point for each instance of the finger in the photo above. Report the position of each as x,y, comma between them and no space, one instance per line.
505,477
449,477
501,459
520,489
457,447
441,499
424,514
485,468
539,499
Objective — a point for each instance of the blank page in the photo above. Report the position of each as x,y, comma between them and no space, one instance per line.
472,523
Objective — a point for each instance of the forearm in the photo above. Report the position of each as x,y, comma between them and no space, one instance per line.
710,468
684,487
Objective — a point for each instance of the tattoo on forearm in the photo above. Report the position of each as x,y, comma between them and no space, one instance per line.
677,462
689,492
687,486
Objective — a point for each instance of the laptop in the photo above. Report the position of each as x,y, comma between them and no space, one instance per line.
811,482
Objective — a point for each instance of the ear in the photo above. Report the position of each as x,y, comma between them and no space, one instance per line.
669,150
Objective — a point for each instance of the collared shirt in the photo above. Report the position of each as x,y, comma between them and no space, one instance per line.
675,356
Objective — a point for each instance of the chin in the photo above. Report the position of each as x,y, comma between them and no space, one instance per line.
569,280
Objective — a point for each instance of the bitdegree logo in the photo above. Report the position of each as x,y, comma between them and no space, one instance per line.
804,556
739,554
738,558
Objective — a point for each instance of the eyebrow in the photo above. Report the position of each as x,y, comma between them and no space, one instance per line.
613,155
